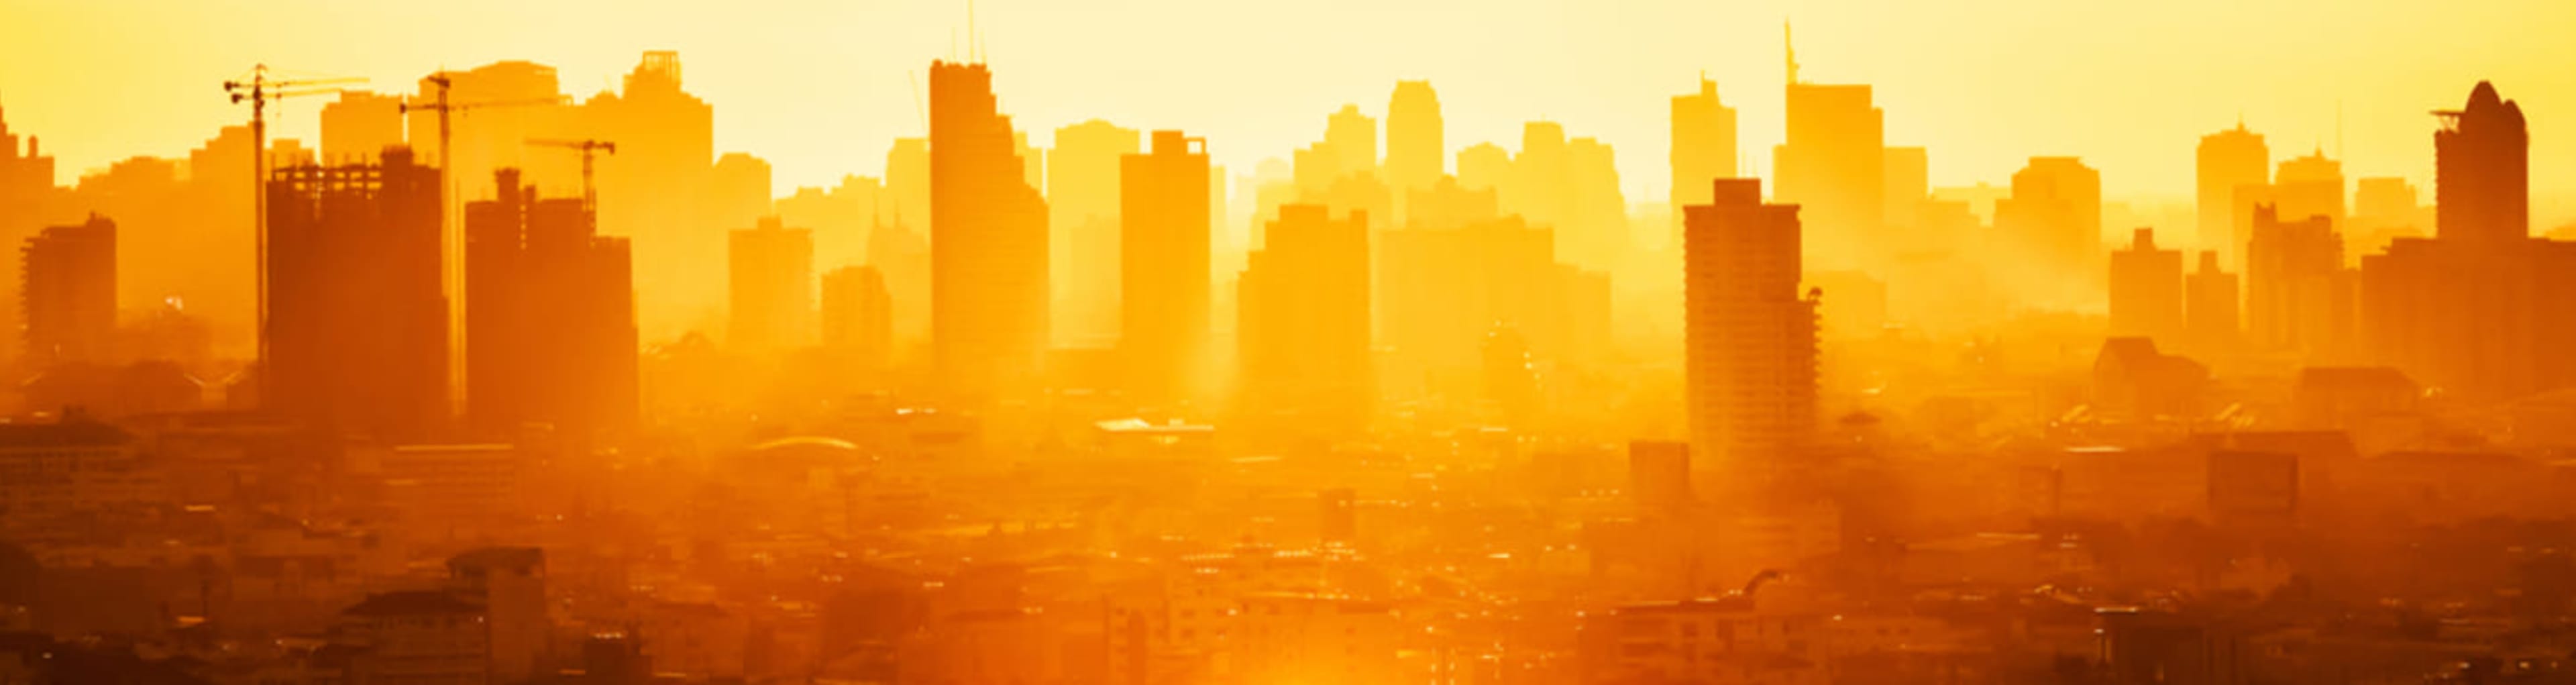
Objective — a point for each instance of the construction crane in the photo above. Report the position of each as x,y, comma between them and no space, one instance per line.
589,192
451,232
259,89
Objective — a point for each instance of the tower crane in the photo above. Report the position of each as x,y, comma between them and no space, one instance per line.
589,192
258,89
451,230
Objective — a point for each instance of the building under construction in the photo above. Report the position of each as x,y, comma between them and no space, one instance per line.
549,316
356,323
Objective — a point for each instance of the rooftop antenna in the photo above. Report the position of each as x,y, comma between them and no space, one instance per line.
1788,44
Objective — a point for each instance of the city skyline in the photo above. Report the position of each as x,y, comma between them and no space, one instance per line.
819,112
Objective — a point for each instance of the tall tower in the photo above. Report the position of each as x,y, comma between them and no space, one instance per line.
1750,338
2147,292
1353,139
988,242
1163,250
772,287
1414,139
1832,166
2228,160
357,307
1703,146
2482,170
1082,216
70,293
1304,333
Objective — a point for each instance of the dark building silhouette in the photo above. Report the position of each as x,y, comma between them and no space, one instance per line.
550,315
360,125
2147,291
1749,337
772,287
1304,332
27,195
988,241
69,293
2298,296
2480,310
357,320
2054,217
1163,275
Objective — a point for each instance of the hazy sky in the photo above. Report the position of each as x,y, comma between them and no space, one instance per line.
820,87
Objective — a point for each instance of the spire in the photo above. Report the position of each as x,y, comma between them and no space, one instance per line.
1791,47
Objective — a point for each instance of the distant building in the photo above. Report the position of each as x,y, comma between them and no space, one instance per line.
772,289
2147,291
1831,165
2228,160
1304,305
509,583
427,637
2132,380
1749,338
360,125
2298,296
858,316
357,330
2054,217
1163,273
2211,313
550,333
1416,155
69,293
1703,148
1082,197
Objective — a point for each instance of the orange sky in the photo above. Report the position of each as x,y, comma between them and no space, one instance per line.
820,87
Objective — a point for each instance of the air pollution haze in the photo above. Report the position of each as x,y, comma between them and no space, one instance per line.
1175,343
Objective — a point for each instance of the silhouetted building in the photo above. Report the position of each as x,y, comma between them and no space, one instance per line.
772,287
988,241
2298,296
1416,149
2229,160
1163,277
2147,291
858,316
1352,138
69,293
1749,338
360,125
550,332
357,319
2310,186
26,197
1831,167
1304,304
1703,147
2212,311
2054,218
1441,292
1082,208
657,190
2132,380
2482,170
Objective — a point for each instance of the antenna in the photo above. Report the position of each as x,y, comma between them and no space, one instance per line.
1790,46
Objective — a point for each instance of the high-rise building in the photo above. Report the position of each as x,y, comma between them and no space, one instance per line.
360,125
988,241
2147,291
1082,210
357,330
1163,246
1443,289
2480,310
549,315
772,289
1703,147
2384,209
2310,186
738,191
69,293
1416,152
2211,315
1831,166
656,190
2055,217
1749,336
1304,332
858,316
2482,170
1907,172
2296,295
1352,136
2228,160
1484,166
27,196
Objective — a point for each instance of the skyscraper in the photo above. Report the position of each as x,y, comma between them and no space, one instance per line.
360,125
550,315
2295,283
988,241
2212,314
1353,139
1416,155
858,316
2310,186
1304,304
1082,210
656,191
1163,279
772,289
69,293
1831,166
1749,337
2147,291
1703,146
357,315
2482,170
2227,160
